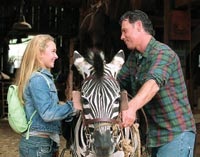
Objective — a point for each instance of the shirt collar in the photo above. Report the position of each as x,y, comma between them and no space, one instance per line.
149,47
46,72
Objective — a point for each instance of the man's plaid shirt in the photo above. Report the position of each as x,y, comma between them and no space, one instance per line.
169,112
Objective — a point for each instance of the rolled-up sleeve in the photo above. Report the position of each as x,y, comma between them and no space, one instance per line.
163,64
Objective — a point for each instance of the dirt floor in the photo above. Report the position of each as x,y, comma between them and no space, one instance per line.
9,141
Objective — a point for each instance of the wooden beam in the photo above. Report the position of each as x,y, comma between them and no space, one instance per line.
182,3
186,3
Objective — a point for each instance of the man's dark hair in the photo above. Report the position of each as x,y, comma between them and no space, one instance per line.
136,15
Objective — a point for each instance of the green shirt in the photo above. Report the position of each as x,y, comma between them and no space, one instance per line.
169,112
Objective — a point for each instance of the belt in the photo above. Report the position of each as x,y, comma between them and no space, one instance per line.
38,135
42,135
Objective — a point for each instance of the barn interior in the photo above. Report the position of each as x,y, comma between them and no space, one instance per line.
176,23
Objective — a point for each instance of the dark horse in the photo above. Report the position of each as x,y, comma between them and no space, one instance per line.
99,30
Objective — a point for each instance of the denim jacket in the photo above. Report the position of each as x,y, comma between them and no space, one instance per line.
41,96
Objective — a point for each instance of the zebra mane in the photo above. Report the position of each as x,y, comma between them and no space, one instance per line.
97,60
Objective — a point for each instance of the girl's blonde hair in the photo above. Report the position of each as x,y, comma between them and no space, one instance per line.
30,61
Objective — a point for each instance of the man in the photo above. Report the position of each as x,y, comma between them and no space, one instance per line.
153,72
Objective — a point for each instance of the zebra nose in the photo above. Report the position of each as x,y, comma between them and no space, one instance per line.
103,146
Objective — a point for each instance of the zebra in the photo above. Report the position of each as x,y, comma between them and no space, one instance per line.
98,132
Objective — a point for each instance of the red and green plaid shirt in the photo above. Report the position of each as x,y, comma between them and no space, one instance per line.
169,112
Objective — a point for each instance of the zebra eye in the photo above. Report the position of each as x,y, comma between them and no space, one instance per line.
117,101
84,101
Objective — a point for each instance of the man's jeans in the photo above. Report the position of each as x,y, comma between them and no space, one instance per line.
181,146
37,147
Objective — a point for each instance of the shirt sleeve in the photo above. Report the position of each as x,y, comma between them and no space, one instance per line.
162,65
123,76
45,100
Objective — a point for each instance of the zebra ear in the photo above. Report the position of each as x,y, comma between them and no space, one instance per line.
119,58
81,64
117,62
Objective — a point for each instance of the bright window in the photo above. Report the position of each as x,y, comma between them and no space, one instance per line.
16,50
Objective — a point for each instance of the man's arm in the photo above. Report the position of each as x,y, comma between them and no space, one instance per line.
143,96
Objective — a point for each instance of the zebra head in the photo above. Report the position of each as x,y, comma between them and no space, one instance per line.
100,99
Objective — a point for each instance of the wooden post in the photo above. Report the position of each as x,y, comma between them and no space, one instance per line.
69,81
166,21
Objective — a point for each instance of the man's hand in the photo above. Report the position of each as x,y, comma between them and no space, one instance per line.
128,116
143,96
